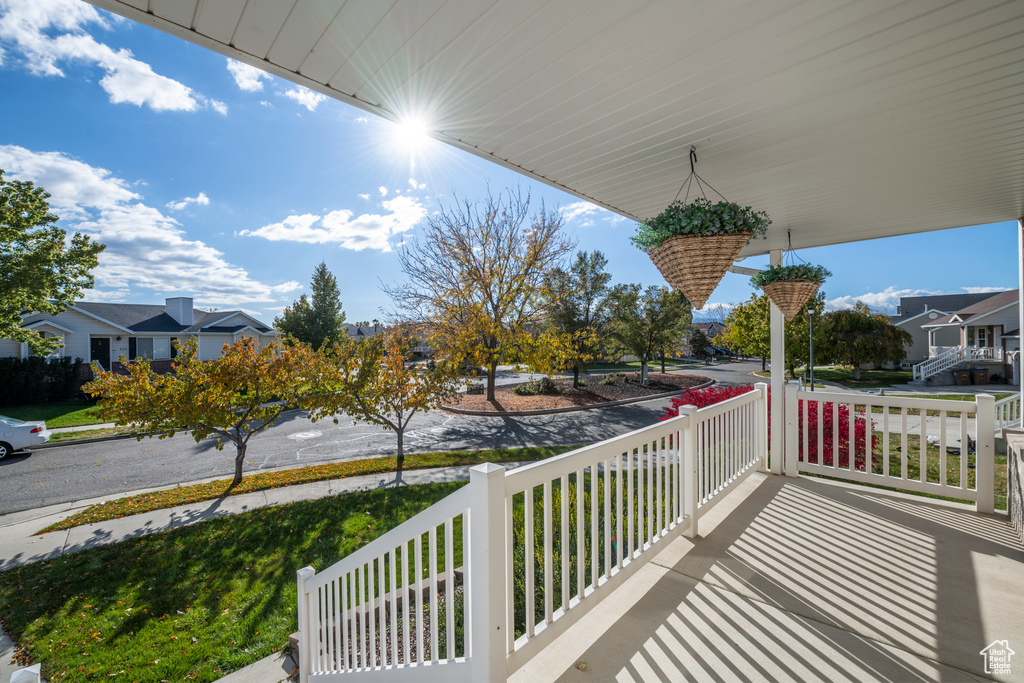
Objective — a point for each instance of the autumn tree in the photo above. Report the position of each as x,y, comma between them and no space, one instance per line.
646,323
374,382
576,307
475,278
748,328
318,320
40,269
232,398
857,336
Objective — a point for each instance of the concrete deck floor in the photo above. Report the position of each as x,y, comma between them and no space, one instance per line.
805,579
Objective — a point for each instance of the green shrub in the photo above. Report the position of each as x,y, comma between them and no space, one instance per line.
544,386
699,217
38,380
608,380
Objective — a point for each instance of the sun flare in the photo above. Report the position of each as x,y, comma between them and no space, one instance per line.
410,133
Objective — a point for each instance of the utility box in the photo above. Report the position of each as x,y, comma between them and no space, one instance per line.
962,377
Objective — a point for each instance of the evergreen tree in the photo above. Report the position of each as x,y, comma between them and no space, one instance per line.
319,320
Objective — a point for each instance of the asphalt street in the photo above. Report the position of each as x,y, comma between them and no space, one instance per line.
80,471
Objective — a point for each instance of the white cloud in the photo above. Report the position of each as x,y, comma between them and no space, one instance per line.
984,290
581,209
201,199
219,107
366,231
145,248
364,196
361,119
383,191
886,300
266,103
415,185
309,99
47,33
248,78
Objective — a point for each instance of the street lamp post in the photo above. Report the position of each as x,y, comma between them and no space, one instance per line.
810,318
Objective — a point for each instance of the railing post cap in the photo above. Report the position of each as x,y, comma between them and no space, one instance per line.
305,572
488,468
793,382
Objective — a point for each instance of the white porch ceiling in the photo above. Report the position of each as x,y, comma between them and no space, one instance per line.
844,120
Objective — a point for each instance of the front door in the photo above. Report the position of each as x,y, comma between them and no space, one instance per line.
99,351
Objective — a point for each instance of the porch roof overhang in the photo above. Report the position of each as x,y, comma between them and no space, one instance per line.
844,121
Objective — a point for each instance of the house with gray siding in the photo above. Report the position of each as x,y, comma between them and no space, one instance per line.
103,332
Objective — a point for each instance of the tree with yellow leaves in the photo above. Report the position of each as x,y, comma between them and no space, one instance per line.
374,381
475,280
233,397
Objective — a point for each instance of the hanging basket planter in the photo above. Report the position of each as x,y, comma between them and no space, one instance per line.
694,244
695,264
791,287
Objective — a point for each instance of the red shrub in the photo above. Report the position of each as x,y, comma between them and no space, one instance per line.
701,398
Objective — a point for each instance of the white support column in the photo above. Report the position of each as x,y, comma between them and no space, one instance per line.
1020,302
487,581
985,454
792,429
778,379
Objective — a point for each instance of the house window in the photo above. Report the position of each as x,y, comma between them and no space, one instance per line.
982,337
152,348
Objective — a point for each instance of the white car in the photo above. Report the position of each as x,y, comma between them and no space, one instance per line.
16,435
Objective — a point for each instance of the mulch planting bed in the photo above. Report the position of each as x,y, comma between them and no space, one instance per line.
595,392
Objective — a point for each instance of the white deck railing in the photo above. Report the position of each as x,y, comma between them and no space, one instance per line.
1007,413
539,547
946,357
891,440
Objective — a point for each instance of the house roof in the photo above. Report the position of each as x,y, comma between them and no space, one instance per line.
912,306
976,311
152,318
604,100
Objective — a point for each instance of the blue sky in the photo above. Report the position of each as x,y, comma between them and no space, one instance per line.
210,179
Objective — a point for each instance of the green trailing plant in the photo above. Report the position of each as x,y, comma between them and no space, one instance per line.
802,271
699,217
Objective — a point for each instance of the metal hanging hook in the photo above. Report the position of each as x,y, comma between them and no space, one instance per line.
693,157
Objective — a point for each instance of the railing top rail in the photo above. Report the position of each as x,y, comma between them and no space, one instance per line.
725,406
1015,398
450,506
537,473
888,401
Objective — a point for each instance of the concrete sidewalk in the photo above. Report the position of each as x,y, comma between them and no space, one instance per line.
19,547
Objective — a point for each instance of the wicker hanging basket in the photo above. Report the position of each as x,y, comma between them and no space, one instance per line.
695,264
791,295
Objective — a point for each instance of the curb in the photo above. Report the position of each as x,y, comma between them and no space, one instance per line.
572,409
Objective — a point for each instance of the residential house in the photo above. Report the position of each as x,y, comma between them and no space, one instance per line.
916,311
103,332
984,333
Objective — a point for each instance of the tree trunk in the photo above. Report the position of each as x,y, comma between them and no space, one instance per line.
239,461
492,371
643,373
663,362
764,363
575,377
401,457
856,371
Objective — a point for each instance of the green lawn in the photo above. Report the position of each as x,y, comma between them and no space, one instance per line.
60,414
193,603
869,379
